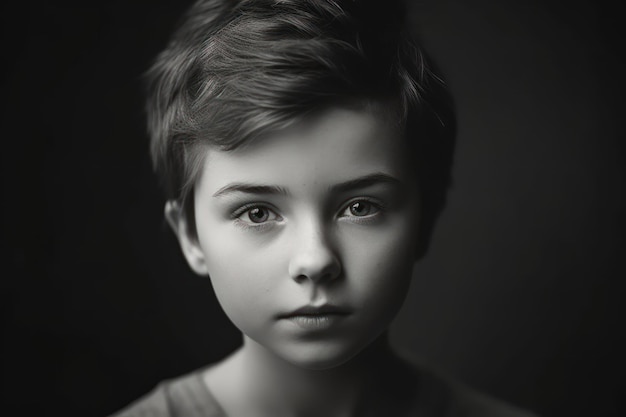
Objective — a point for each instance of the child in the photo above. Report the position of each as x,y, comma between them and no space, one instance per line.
305,148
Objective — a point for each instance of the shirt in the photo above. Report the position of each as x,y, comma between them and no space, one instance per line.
188,396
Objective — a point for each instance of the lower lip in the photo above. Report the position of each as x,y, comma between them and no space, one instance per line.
317,321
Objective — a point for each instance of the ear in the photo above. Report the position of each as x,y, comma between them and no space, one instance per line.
188,243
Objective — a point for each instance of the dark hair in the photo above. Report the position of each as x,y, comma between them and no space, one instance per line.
236,69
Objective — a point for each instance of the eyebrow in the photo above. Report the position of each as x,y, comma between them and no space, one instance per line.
248,188
367,181
357,183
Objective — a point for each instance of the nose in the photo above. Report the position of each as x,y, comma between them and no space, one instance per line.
313,258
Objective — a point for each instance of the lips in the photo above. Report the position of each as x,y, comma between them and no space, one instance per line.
313,311
311,318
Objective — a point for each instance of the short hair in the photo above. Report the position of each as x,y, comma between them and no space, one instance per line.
235,69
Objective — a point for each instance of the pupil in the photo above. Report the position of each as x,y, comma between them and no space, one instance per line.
359,209
258,215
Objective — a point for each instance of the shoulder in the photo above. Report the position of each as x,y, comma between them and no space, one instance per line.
452,398
184,396
434,393
153,404
471,403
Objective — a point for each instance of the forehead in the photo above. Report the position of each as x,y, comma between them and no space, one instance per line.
335,145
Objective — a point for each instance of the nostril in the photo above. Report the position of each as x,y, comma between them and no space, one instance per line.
301,279
328,274
314,267
332,271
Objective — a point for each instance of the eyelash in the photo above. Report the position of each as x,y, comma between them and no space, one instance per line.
236,215
377,205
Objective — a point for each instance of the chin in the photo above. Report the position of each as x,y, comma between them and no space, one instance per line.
318,356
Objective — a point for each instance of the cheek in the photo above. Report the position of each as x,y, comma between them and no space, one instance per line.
241,269
381,264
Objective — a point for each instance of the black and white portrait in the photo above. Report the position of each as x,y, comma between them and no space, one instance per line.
304,208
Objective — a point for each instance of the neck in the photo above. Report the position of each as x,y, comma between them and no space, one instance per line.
280,388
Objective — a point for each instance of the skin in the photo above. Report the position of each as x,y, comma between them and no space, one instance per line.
323,212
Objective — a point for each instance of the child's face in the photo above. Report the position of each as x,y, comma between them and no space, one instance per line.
322,214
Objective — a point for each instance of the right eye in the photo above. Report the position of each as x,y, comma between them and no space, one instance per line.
256,215
259,214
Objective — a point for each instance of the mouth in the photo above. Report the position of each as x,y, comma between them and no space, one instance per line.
316,318
321,311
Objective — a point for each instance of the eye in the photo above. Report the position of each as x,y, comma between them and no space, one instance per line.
256,214
361,208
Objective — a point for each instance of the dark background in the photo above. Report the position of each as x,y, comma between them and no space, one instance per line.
520,296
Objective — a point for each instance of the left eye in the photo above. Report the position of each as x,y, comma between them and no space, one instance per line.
361,208
258,215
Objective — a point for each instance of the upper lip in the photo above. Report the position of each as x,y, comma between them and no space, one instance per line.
317,311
